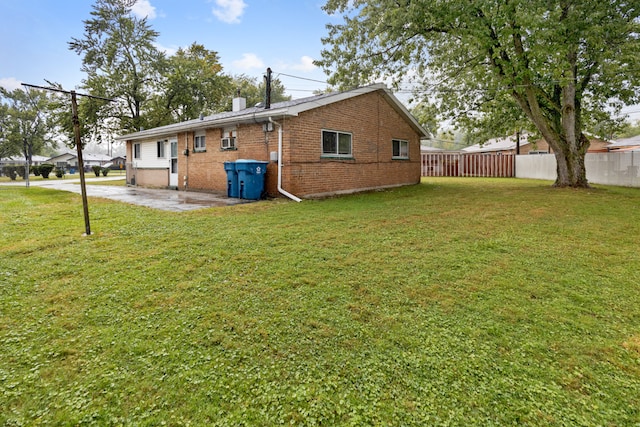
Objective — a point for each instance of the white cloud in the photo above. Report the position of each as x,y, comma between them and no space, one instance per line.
170,51
229,11
143,9
10,83
305,64
249,61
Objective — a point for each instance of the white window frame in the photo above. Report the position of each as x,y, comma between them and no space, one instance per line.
200,142
400,154
137,150
160,148
337,152
231,135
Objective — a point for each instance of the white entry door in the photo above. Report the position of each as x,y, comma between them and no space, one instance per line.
173,166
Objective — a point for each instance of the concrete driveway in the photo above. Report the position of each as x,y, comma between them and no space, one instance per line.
167,200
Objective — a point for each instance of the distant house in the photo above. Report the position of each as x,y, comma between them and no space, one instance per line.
505,145
118,162
625,144
322,145
528,145
18,160
70,160
90,159
62,160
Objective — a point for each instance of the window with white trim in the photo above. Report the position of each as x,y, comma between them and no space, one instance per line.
228,141
400,149
136,151
336,144
160,149
199,142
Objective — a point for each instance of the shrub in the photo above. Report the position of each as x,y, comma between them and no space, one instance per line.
10,171
59,172
45,170
36,170
96,170
105,171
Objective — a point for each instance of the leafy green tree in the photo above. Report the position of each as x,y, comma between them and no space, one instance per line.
628,130
122,62
193,84
557,60
427,115
255,92
25,124
6,150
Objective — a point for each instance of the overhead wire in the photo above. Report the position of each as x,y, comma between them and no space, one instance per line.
409,88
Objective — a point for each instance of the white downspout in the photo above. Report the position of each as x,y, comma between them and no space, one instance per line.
280,189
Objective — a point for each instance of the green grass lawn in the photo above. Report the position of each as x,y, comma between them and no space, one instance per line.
454,302
53,177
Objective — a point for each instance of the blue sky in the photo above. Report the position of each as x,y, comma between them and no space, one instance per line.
249,36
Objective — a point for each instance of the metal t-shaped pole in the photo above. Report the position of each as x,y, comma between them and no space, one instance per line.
78,143
83,186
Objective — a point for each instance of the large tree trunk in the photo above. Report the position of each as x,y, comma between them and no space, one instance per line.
562,129
570,168
572,145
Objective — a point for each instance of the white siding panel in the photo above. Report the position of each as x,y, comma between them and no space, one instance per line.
149,155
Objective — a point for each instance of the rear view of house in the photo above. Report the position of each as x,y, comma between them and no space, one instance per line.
318,146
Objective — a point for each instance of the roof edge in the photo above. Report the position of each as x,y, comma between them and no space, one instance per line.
280,112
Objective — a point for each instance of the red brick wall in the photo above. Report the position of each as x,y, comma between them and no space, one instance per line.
373,123
205,170
370,119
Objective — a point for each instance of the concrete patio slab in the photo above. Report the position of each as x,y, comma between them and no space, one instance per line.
167,200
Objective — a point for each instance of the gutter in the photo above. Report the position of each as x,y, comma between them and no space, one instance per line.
280,189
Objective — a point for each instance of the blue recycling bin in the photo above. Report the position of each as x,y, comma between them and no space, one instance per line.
232,179
251,176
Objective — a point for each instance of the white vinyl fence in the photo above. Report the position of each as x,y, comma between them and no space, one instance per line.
602,168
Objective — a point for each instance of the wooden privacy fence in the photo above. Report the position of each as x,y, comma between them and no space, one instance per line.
469,164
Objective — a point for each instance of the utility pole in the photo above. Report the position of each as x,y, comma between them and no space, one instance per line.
76,134
267,103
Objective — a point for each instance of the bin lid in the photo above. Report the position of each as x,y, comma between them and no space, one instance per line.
250,161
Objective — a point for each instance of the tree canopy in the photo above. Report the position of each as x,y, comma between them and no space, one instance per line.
122,62
193,83
561,63
25,124
255,92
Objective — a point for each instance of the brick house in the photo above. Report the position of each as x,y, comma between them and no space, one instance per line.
323,145
528,145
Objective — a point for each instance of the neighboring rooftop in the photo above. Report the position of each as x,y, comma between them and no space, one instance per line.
625,142
498,144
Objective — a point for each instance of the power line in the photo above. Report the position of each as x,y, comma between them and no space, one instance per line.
302,78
